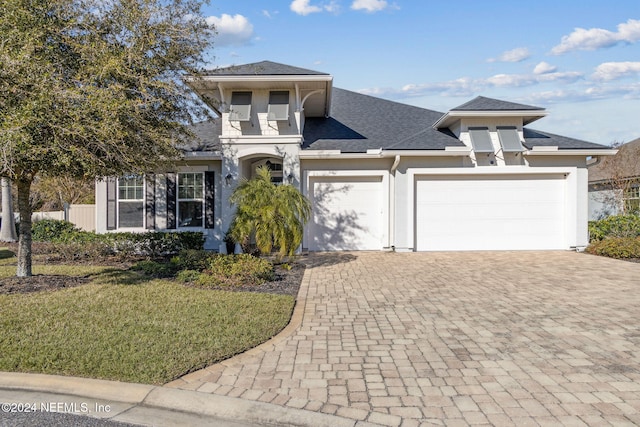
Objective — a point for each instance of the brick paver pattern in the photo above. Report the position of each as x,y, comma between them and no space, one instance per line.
471,338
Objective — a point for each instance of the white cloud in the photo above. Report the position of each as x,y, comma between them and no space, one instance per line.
544,68
303,7
514,55
616,70
231,30
369,5
597,38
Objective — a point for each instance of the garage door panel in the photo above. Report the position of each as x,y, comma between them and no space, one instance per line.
346,213
490,213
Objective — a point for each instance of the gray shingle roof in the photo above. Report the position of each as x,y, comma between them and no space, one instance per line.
482,103
207,137
263,68
360,122
534,138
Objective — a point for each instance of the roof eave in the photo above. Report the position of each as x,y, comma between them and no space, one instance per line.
528,116
555,151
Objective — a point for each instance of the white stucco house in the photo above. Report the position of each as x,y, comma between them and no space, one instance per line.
380,175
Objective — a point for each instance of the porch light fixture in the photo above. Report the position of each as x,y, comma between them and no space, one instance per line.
228,179
290,177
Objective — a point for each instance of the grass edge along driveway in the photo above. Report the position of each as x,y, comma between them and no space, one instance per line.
151,331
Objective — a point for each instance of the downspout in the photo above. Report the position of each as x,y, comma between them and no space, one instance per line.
392,203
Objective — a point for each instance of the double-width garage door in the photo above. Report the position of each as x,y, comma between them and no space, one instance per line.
478,212
347,213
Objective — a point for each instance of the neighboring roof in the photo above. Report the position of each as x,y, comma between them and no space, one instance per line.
625,164
361,122
264,68
533,138
207,137
481,103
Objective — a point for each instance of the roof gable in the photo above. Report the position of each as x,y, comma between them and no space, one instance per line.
481,103
263,68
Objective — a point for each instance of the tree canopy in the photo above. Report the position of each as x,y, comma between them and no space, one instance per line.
93,88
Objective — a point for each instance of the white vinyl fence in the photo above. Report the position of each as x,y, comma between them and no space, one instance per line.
82,216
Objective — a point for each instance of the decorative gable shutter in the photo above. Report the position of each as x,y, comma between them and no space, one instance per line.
171,201
111,203
209,200
150,201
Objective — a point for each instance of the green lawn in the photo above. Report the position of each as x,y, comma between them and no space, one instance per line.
123,327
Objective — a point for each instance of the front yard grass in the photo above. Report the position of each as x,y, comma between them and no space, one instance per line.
126,327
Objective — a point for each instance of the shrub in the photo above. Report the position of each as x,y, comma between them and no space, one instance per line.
614,226
156,269
52,230
236,270
152,244
76,251
192,259
188,276
616,247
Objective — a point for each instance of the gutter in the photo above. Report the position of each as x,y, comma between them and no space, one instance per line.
378,153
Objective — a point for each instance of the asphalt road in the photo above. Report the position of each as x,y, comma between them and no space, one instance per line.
52,419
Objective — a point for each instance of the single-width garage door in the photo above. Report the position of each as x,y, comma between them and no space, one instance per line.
347,213
490,213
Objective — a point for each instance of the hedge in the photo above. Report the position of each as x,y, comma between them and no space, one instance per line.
152,244
614,226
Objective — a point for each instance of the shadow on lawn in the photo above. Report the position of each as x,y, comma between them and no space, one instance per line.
118,276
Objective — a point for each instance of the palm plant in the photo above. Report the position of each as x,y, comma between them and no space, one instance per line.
271,215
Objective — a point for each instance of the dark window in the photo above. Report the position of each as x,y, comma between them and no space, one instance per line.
131,202
190,199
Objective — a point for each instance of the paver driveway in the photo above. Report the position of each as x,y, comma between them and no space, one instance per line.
501,338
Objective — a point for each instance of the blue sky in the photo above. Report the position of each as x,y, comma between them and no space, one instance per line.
578,59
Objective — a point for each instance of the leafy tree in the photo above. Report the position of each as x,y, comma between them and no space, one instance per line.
51,193
272,215
93,88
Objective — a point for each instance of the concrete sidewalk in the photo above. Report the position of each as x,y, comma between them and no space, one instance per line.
148,405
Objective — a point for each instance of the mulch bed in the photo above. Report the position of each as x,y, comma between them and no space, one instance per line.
286,282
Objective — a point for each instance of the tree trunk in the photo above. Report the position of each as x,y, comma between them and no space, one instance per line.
8,228
24,243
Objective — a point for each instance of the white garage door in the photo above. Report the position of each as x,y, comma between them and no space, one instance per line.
346,213
490,213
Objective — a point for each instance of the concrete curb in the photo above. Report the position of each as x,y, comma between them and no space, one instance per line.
159,406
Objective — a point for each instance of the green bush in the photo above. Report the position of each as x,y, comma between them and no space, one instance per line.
616,247
188,276
236,270
192,259
155,269
152,244
52,230
77,251
614,226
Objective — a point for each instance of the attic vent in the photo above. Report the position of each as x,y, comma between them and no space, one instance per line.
509,139
278,105
240,109
481,140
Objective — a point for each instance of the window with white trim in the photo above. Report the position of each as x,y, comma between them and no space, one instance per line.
190,199
131,201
